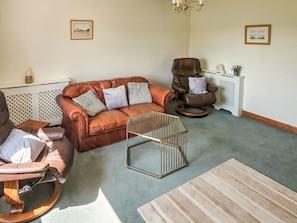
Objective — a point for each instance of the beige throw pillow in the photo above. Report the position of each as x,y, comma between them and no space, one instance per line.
139,92
90,103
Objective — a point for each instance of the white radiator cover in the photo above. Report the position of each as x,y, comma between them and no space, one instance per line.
230,91
34,101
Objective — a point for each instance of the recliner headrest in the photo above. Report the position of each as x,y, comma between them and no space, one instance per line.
186,67
6,124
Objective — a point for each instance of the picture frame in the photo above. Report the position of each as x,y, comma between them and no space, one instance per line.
258,34
81,29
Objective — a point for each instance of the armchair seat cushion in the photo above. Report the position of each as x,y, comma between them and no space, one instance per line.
199,100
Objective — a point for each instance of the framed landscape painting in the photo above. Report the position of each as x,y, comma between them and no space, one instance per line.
258,34
81,29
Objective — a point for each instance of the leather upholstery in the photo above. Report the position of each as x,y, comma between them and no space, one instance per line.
183,68
107,127
6,124
55,160
186,67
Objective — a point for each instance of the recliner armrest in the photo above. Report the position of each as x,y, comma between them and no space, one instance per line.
49,134
179,90
21,171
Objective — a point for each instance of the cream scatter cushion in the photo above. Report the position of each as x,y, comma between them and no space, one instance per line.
21,147
198,85
139,92
90,103
115,97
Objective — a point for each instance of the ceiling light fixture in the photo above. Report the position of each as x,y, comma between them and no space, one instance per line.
183,6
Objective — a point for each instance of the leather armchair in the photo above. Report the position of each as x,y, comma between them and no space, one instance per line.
182,69
53,165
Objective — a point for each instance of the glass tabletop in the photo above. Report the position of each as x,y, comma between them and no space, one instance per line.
155,125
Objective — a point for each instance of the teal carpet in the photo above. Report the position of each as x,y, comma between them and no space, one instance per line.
211,141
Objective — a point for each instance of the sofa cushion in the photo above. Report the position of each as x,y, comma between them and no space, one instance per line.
76,89
90,103
198,85
125,80
141,108
21,147
115,97
107,121
138,93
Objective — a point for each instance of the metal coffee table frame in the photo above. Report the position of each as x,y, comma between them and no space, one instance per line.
166,130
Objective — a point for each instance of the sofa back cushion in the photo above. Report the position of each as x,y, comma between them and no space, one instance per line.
123,81
77,89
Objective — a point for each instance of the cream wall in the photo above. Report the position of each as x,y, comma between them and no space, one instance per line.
141,37
217,36
131,37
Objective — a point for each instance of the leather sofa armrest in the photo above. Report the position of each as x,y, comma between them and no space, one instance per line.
21,171
161,96
73,111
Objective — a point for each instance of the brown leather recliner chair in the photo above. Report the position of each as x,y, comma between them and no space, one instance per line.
53,165
182,69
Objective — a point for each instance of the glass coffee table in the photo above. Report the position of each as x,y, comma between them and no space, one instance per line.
159,145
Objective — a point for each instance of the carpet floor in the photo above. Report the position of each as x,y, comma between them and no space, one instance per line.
211,141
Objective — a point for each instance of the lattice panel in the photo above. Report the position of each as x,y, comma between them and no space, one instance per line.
48,108
227,93
20,107
36,101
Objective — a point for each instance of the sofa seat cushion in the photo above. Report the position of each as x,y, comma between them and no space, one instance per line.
107,121
141,108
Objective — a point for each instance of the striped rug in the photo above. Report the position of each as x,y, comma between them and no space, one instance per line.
230,192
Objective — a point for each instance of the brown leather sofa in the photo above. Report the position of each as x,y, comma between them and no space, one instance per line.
107,127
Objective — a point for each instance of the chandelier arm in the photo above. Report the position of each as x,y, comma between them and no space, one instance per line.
182,6
195,8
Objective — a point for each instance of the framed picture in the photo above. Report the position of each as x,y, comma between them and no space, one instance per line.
258,34
81,29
